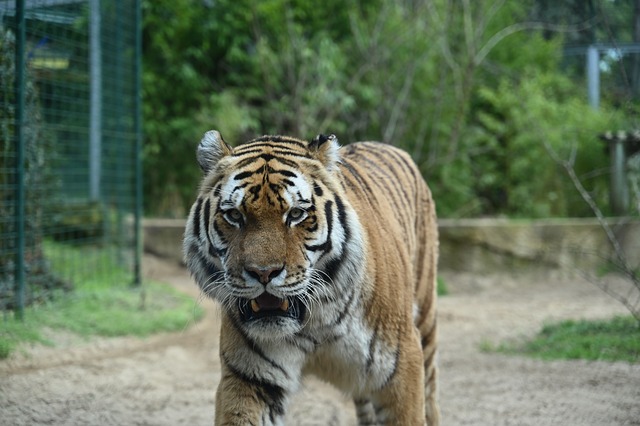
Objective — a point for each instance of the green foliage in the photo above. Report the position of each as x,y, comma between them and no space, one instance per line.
243,67
102,304
179,49
617,339
465,87
513,170
234,118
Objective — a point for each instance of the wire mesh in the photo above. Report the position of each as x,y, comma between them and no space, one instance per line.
78,128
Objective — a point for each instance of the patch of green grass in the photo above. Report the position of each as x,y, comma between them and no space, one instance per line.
442,287
103,303
121,311
14,332
617,339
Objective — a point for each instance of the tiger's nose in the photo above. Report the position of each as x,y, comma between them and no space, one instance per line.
264,274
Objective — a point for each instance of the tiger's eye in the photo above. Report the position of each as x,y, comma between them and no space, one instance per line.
234,215
296,213
295,216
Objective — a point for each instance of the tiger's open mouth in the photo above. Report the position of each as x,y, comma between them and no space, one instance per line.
269,306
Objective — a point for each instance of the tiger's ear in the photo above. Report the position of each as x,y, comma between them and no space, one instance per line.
211,149
325,149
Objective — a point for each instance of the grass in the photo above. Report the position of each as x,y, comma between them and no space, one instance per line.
443,290
617,339
103,303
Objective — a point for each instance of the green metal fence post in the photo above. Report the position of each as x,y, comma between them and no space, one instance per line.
95,105
138,130
20,159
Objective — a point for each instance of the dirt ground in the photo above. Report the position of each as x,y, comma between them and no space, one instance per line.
170,379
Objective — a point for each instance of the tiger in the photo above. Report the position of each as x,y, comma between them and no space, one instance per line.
323,259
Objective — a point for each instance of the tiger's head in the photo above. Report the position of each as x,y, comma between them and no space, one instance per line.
268,231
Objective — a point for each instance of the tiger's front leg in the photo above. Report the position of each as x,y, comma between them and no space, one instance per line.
243,400
257,379
400,402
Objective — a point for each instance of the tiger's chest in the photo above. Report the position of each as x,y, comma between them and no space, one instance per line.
356,361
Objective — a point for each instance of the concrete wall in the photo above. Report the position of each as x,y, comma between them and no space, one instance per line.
483,245
163,237
490,245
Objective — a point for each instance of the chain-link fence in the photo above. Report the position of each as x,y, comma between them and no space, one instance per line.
70,134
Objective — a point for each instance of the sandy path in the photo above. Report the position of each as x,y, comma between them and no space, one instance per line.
170,379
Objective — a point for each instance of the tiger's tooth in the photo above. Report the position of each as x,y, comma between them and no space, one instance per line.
254,306
285,305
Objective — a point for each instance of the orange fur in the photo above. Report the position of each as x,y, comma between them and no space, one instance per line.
324,259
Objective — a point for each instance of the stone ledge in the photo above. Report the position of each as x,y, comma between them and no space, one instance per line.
163,237
491,245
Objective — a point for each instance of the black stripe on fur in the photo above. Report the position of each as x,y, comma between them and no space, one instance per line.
372,347
270,394
196,219
358,177
254,347
326,245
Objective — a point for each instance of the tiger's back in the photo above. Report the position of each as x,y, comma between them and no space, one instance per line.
324,259
385,186
396,208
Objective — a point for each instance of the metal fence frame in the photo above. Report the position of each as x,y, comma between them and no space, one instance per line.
17,9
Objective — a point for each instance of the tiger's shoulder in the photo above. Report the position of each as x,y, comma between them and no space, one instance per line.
381,173
379,160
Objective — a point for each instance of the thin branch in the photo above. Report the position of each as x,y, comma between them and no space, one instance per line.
469,34
633,307
573,155
487,17
443,42
619,254
524,26
400,104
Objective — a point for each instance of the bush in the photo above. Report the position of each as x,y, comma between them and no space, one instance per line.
514,126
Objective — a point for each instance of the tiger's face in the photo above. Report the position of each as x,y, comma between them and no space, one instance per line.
263,218
269,228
